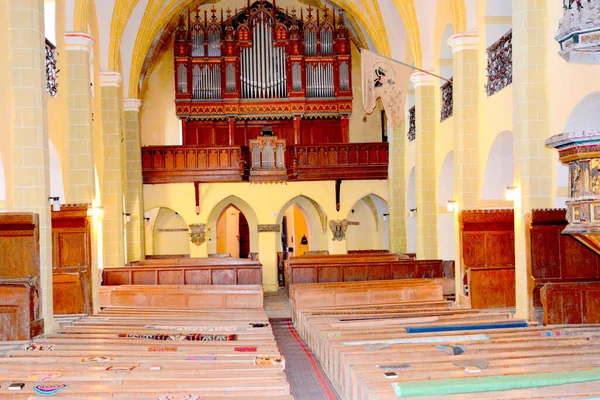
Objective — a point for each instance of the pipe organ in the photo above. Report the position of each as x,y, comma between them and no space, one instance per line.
262,63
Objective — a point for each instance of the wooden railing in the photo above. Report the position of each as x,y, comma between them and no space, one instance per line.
338,161
165,164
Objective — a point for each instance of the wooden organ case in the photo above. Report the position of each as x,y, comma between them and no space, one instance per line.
243,70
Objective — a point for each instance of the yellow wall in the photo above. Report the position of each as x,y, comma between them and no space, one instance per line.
300,229
261,204
166,242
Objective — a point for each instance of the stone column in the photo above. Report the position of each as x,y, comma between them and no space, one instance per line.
112,187
533,162
397,190
80,182
466,89
135,190
29,143
427,241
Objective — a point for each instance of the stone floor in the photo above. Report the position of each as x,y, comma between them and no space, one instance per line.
277,305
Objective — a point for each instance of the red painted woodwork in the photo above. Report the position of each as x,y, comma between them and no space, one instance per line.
20,303
571,303
554,257
488,256
164,164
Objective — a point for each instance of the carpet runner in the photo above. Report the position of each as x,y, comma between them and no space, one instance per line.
304,373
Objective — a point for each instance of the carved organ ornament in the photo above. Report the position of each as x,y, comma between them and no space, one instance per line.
262,61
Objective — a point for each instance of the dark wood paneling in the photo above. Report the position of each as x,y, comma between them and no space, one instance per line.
197,277
68,294
492,287
20,304
357,273
303,275
554,257
224,277
175,277
571,303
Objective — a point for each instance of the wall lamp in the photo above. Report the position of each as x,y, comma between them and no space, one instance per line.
385,217
412,213
127,217
451,206
510,193
54,200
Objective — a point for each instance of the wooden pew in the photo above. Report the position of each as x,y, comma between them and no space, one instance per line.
356,346
188,297
20,305
358,267
488,256
554,258
186,271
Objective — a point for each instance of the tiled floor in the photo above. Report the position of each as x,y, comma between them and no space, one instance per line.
277,305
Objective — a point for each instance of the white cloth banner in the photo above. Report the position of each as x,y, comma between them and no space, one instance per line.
385,79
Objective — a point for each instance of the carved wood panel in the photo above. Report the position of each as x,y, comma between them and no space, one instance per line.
9,323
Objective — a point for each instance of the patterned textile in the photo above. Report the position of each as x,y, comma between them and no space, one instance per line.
198,337
385,79
49,390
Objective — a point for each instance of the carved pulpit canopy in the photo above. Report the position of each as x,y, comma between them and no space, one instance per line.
579,31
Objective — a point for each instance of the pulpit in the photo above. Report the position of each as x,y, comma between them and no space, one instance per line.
268,158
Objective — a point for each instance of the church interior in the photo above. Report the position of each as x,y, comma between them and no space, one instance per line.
300,199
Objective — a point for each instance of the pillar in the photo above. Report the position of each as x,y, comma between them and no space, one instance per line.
533,163
466,89
426,202
29,142
112,187
80,182
397,190
135,189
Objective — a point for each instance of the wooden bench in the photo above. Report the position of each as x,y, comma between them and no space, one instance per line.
133,361
186,271
189,297
357,345
358,267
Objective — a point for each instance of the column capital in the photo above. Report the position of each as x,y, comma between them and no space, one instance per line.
463,41
132,105
422,79
78,41
110,78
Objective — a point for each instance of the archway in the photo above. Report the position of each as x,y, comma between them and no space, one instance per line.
243,208
497,175
233,235
372,229
168,233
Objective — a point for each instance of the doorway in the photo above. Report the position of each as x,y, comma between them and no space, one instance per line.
233,233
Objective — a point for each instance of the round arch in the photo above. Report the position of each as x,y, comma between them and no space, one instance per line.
218,209
169,233
497,176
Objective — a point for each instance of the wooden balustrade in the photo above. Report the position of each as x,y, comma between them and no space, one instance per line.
166,164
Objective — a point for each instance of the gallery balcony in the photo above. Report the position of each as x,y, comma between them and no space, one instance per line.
209,164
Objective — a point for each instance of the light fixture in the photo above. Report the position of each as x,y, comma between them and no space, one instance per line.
412,213
55,202
451,206
385,217
127,217
304,240
510,193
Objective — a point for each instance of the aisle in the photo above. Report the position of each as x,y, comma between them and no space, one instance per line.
307,379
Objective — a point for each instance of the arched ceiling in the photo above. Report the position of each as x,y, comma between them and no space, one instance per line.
131,31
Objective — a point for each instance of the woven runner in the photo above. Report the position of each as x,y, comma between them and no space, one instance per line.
307,379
